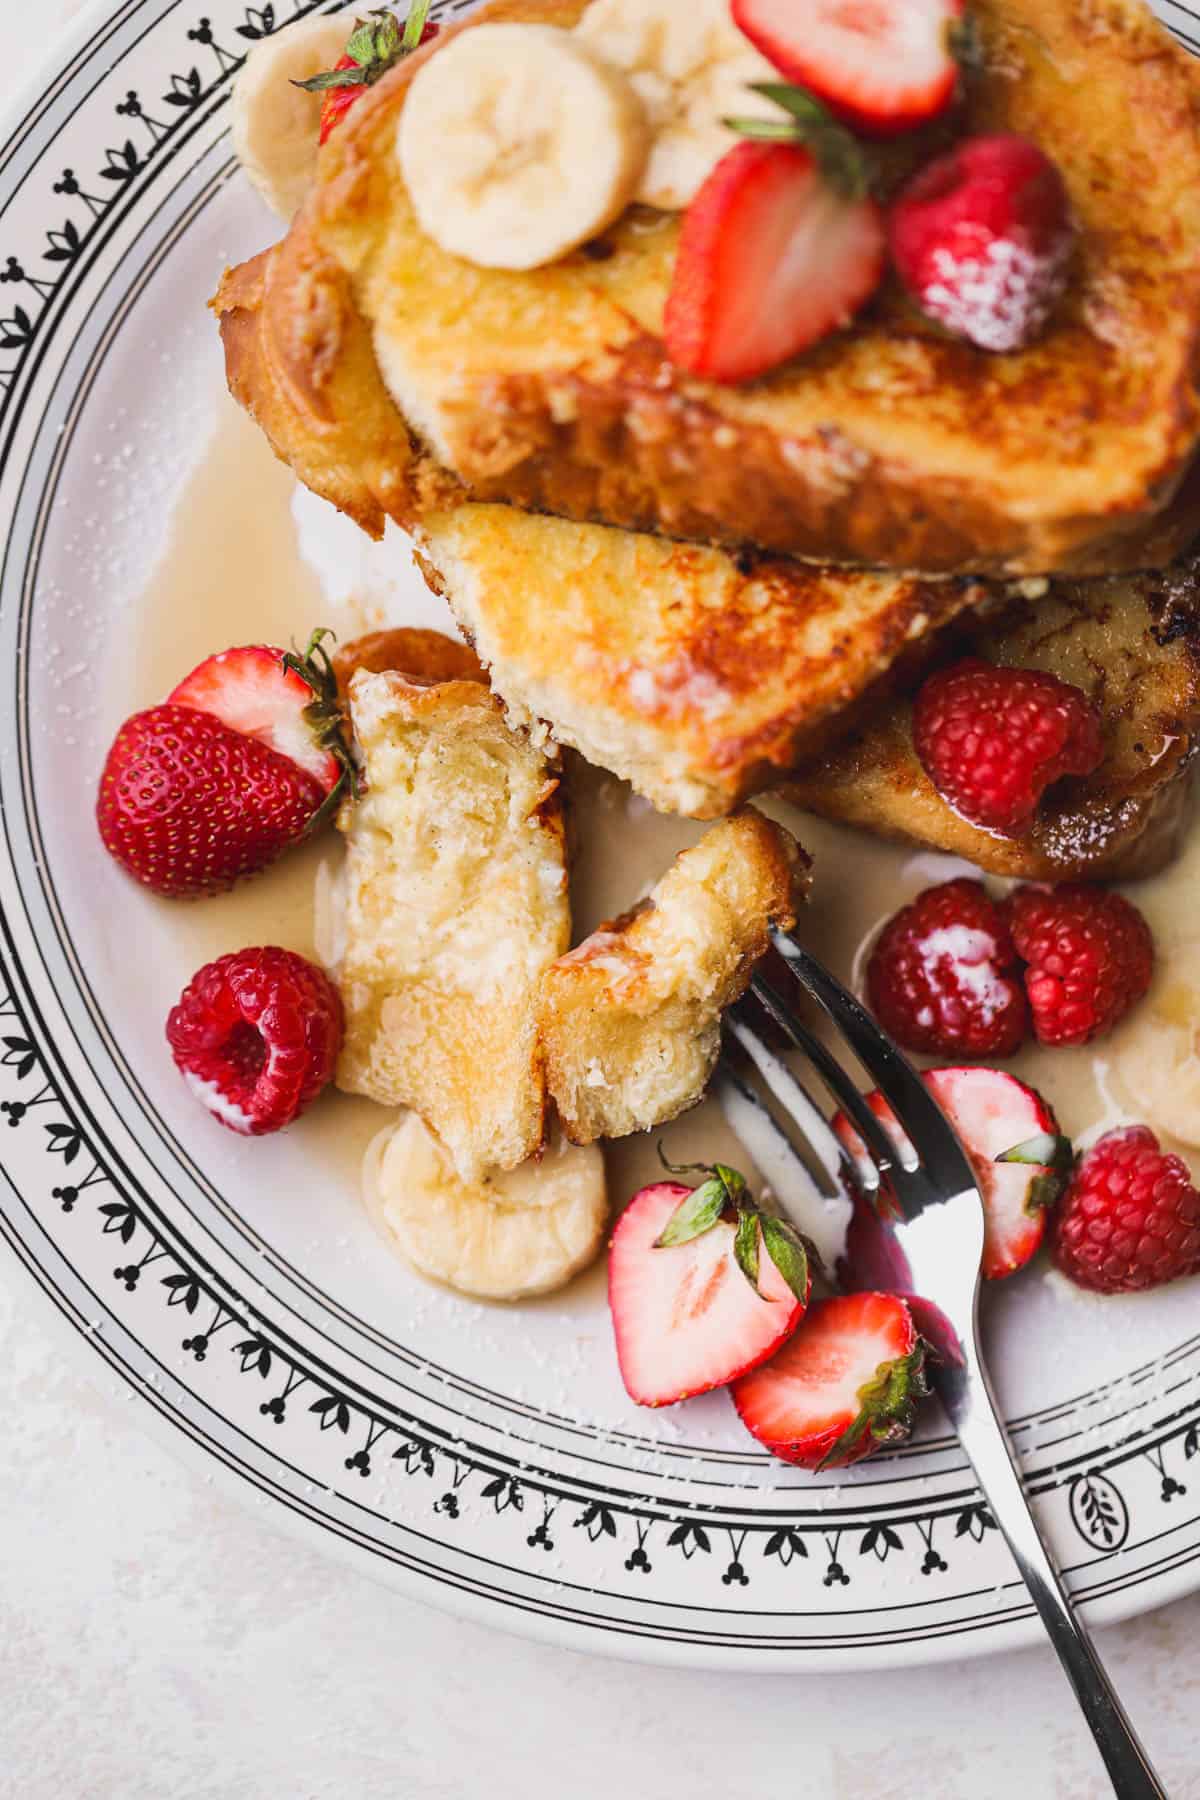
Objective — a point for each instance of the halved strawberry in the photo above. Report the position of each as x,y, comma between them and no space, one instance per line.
285,701
1019,1156
883,66
845,1383
775,252
694,1301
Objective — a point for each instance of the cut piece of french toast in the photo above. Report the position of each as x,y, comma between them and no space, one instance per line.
630,1020
696,675
1132,643
887,444
454,906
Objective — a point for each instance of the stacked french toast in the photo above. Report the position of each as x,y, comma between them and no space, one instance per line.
784,395
710,585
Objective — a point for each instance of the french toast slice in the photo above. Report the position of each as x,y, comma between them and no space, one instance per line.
888,444
1132,643
697,676
454,903
630,1020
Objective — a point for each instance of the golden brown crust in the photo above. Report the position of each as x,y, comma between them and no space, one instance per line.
695,675
629,1021
1132,643
410,650
887,444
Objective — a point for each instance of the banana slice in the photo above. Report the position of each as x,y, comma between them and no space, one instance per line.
504,1237
275,125
517,143
690,66
1156,1052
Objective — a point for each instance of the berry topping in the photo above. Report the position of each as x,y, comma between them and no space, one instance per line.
780,247
943,977
845,1383
256,1035
702,1286
1019,1157
287,701
982,237
881,65
993,739
1090,957
188,806
1130,1218
376,44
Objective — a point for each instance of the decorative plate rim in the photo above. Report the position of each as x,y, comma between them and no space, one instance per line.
64,1174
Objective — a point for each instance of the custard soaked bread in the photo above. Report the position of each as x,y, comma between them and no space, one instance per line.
630,1020
888,443
455,904
1132,645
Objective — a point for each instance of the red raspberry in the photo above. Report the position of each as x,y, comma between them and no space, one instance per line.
1130,1218
992,740
1090,956
943,977
982,237
255,1036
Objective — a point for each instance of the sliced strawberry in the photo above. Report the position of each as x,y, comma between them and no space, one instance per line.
882,66
773,255
1019,1156
285,701
696,1303
845,1383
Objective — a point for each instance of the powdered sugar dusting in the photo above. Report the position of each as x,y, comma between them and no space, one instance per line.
999,298
969,953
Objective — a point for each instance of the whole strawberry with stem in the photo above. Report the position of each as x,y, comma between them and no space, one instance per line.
993,739
245,758
1130,1218
376,44
256,1036
982,239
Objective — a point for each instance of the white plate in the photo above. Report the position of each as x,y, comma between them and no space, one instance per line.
483,1459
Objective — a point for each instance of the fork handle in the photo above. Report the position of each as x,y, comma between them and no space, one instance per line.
968,1397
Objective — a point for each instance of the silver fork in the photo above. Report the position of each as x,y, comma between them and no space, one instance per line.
934,1252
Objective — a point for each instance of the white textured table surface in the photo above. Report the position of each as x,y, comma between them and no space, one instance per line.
158,1640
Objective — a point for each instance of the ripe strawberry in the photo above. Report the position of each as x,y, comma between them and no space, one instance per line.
244,760
694,1302
943,976
372,49
781,246
845,1383
1018,1154
1090,957
282,700
188,806
1130,1218
882,66
992,739
256,1036
982,237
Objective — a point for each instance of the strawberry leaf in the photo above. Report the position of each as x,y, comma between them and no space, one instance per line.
745,1247
786,1249
735,1183
1045,1149
840,157
886,1405
695,1215
414,25
333,78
